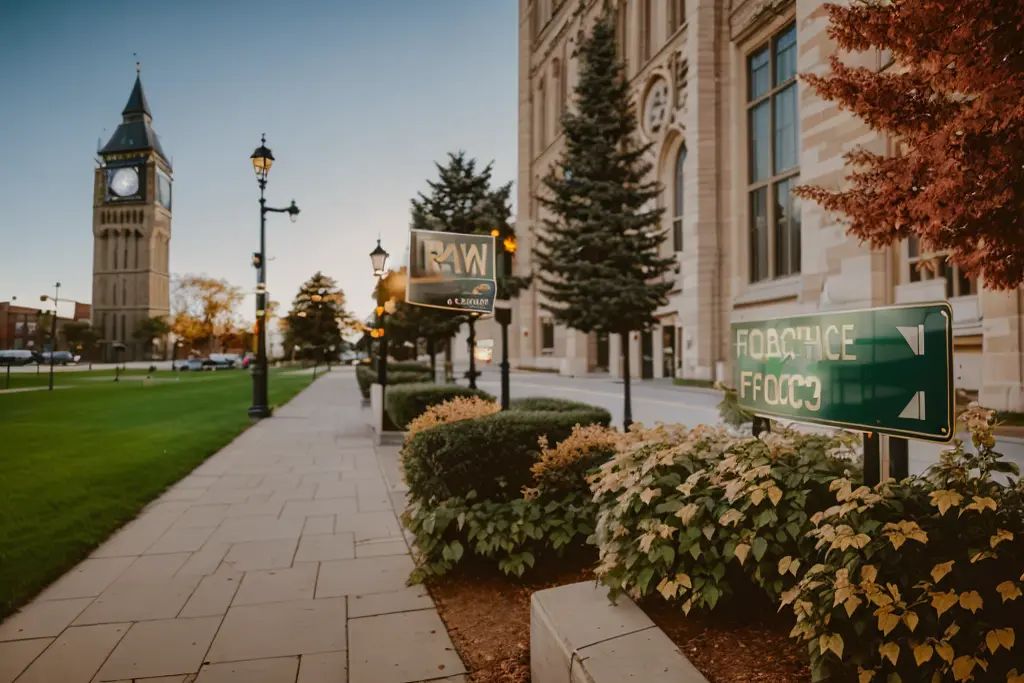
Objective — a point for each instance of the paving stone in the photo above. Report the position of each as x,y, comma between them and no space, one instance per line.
42,618
76,655
88,579
261,555
161,648
317,508
318,526
360,577
251,509
426,651
177,495
195,481
214,497
202,516
140,601
153,569
381,548
178,539
335,489
277,670
280,629
278,585
206,561
15,656
369,525
304,492
407,599
138,535
259,528
320,477
324,667
214,594
323,548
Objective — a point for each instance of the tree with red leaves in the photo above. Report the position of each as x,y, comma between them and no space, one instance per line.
954,98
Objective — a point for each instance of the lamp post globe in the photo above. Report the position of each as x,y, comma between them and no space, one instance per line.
379,259
262,160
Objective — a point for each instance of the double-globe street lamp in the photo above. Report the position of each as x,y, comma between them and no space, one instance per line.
53,328
379,260
262,160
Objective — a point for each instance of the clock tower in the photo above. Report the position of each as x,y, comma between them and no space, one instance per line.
131,228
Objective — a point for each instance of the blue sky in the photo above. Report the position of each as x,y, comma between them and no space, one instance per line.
357,99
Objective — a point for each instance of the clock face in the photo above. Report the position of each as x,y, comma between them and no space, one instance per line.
125,182
163,194
656,107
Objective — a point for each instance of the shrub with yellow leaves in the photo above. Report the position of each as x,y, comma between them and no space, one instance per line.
452,410
680,507
919,580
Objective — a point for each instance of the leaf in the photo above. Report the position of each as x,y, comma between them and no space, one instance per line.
784,564
687,512
457,550
945,499
1000,536
836,645
668,589
962,667
1014,677
649,494
980,504
943,601
887,621
741,552
851,605
865,676
911,619
868,574
756,496
1009,590
890,651
760,548
774,495
1007,637
922,653
971,600
644,578
684,580
730,517
940,570
992,641
945,651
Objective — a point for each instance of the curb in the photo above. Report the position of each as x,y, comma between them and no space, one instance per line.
578,636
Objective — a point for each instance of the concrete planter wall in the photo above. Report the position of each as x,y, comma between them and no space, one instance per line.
578,636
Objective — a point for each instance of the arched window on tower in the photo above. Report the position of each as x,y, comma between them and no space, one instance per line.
677,199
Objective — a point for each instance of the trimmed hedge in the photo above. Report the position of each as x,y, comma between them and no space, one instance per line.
366,376
406,402
549,404
490,455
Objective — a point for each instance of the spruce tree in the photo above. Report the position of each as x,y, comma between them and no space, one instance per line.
598,257
318,318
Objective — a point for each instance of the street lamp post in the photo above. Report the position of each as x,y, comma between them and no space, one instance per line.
503,312
471,343
53,328
379,260
262,160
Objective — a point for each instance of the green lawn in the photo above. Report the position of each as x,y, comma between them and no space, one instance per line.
78,463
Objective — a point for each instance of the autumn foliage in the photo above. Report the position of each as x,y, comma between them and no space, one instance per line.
954,98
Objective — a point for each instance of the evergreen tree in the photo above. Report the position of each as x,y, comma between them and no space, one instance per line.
462,200
318,318
956,105
598,258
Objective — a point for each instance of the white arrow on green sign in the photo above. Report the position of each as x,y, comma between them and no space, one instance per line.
887,370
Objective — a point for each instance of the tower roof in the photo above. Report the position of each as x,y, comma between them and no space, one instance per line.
135,134
137,103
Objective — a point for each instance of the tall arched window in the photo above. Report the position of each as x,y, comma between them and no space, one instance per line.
677,200
623,34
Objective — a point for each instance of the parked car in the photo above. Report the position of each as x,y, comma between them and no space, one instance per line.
194,364
17,357
214,363
59,357
228,359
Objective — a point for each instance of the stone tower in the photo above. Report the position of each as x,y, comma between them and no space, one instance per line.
131,227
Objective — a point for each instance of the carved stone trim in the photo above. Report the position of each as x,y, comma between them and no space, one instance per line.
753,12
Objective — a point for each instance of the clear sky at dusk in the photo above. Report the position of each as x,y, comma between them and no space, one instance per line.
357,99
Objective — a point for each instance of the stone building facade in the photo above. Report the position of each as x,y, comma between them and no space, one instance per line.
131,232
716,88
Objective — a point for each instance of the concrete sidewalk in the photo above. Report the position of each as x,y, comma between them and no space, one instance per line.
279,560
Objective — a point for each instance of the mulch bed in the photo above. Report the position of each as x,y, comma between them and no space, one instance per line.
488,617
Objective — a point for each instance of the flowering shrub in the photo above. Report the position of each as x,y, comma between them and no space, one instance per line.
554,514
919,580
678,506
406,402
452,410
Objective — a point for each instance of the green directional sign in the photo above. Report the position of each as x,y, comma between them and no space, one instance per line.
887,370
